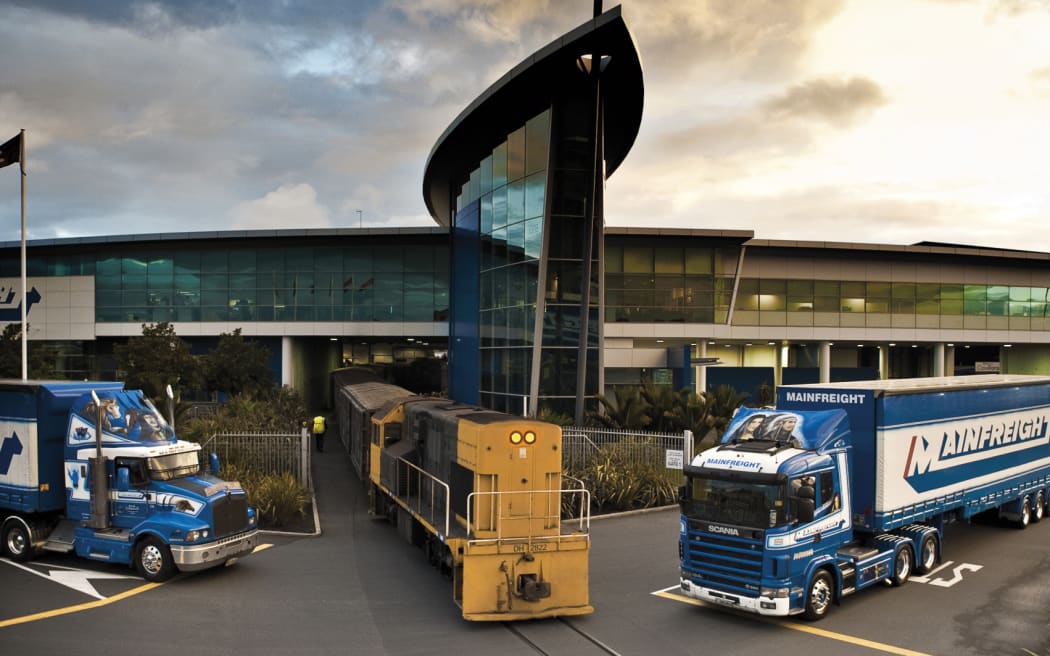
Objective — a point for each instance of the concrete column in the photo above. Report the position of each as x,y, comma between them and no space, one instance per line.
938,359
701,370
287,374
781,359
949,360
884,361
825,362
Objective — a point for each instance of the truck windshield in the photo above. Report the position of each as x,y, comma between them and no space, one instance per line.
754,505
176,465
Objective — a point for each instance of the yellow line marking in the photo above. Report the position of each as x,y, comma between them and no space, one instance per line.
79,607
94,604
795,626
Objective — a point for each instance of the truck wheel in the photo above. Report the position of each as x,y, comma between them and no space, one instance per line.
17,544
927,555
1039,506
153,560
902,566
819,596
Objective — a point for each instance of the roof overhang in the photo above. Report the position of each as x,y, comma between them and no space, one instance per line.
529,88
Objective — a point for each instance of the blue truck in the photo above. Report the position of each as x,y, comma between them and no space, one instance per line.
846,485
92,468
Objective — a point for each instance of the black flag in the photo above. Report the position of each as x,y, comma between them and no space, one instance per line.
11,151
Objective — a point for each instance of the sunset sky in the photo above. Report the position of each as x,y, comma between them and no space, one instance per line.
876,121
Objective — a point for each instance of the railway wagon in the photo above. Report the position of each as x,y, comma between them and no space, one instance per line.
482,493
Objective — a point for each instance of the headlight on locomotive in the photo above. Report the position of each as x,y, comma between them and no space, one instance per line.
530,437
516,437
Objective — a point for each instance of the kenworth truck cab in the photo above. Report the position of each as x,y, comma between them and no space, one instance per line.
845,485
91,468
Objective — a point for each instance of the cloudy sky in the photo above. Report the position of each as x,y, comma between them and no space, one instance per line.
880,121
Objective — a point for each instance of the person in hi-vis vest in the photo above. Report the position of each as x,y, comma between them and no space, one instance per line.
319,429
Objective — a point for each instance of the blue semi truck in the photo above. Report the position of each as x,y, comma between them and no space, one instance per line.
91,468
846,485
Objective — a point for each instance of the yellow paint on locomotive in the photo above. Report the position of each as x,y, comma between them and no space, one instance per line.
516,561
512,556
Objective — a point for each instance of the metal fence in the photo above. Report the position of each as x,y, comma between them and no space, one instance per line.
581,446
271,453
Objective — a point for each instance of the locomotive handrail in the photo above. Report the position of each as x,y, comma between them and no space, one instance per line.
584,518
422,475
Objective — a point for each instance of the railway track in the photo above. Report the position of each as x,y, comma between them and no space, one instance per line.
559,636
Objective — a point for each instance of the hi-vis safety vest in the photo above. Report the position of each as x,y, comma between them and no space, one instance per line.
318,424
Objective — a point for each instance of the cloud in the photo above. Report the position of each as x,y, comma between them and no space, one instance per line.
290,206
838,102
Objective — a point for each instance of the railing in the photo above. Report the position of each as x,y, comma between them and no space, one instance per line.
425,502
270,453
580,446
549,515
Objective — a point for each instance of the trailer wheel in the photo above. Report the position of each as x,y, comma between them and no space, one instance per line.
1026,513
1039,506
17,543
153,560
927,555
902,566
819,596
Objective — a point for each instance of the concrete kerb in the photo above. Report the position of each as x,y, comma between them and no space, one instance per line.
317,524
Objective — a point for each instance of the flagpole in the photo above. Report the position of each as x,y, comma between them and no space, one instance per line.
25,294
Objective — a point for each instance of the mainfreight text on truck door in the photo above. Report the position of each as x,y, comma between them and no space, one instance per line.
92,468
845,485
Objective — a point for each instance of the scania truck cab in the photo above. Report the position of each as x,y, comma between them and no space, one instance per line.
845,485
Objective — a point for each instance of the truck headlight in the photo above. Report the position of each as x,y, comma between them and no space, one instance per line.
774,593
251,517
199,534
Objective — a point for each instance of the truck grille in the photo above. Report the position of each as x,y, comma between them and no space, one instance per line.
230,514
724,562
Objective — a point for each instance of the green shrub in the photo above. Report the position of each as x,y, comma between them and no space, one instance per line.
277,498
619,480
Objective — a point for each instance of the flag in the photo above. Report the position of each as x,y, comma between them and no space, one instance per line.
11,151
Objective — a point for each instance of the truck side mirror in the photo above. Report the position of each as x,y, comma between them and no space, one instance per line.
123,479
682,491
213,463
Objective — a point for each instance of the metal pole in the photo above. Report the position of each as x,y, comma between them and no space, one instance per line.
25,292
99,485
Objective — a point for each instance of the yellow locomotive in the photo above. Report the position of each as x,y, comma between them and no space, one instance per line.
481,491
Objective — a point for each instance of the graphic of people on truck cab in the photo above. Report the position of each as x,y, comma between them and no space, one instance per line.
750,430
784,428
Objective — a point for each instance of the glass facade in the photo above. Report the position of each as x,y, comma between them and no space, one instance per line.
774,301
655,281
381,281
508,190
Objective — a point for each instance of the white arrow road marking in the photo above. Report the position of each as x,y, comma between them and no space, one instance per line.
77,579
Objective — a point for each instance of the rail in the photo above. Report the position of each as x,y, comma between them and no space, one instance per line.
550,516
409,477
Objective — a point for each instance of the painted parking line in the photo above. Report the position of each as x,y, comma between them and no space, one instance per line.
79,580
667,593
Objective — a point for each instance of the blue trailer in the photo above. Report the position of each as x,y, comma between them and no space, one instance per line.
91,468
845,485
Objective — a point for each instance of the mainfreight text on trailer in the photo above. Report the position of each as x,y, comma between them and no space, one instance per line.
92,468
845,485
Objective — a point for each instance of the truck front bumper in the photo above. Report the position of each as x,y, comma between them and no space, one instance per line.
761,605
217,552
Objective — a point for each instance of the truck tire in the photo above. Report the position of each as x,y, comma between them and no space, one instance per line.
1025,516
17,543
1038,506
153,560
902,565
819,596
927,555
